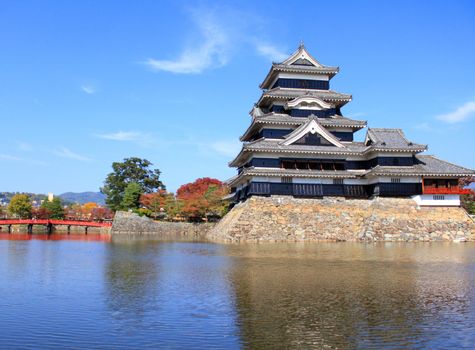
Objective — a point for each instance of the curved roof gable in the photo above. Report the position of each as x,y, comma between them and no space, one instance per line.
302,57
313,127
308,100
300,62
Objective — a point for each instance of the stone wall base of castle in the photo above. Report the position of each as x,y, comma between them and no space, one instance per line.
288,219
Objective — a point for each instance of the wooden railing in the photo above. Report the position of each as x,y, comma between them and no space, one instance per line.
54,222
446,190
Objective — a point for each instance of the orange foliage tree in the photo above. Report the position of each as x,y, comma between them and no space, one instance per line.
88,211
157,203
203,198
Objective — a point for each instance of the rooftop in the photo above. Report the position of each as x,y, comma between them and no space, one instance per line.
429,165
289,93
385,138
301,61
382,140
278,172
278,119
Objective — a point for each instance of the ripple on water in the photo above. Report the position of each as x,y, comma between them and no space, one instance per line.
144,294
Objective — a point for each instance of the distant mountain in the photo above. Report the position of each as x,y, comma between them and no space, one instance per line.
83,197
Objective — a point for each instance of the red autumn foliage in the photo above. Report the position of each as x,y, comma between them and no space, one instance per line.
41,213
88,211
154,201
202,197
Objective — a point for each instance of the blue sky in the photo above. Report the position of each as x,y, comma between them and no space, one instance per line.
86,83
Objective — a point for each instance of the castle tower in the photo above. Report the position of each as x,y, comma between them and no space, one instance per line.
300,144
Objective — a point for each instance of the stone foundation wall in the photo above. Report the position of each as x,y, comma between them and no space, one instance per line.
131,224
282,218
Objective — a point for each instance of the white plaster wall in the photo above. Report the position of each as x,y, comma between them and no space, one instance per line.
266,179
390,154
451,200
384,179
284,127
380,154
299,156
356,182
314,76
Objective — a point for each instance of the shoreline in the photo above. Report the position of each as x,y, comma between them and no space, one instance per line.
280,219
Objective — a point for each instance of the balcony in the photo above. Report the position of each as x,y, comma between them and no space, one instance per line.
445,190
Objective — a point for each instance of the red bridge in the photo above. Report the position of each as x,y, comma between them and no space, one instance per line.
51,223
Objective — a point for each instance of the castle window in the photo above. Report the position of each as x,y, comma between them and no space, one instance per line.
395,180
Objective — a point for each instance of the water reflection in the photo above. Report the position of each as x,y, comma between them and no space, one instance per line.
150,294
351,296
164,294
55,237
131,276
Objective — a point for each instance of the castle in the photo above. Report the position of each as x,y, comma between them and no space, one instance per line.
299,144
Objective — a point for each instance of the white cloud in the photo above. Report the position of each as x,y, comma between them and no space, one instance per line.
221,32
123,136
462,113
64,152
138,137
271,52
88,89
212,51
226,148
9,157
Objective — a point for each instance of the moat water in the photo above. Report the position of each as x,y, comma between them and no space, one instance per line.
121,294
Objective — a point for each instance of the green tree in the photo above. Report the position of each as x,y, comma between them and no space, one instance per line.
468,200
131,199
135,170
54,208
20,206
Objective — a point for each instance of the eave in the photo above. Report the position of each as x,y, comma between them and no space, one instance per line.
276,68
277,172
287,94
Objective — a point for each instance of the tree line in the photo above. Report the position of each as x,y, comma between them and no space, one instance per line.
133,185
21,206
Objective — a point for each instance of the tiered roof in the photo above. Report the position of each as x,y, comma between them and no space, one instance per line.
428,165
301,61
382,139
287,94
280,119
377,140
